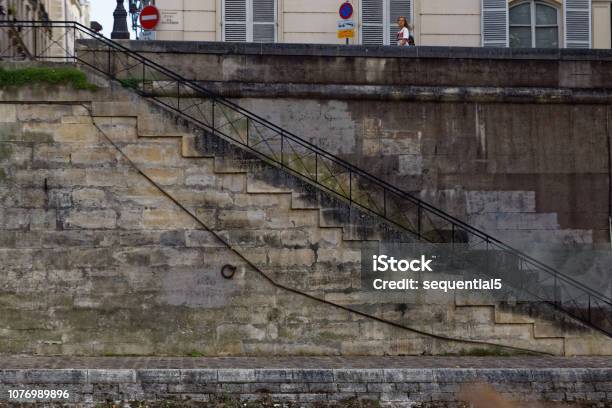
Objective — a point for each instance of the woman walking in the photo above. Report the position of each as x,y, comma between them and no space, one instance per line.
404,35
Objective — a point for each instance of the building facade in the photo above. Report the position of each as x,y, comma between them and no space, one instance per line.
24,42
42,41
472,23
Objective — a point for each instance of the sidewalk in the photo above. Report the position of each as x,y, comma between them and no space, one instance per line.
61,362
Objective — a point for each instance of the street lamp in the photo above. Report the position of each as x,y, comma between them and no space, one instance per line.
120,26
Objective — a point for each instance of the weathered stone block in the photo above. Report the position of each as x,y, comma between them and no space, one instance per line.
199,376
273,375
313,376
45,154
48,113
13,132
92,156
76,120
114,109
166,376
411,164
94,219
241,219
156,125
75,133
402,143
408,375
111,376
15,218
66,376
62,178
285,257
153,154
358,375
165,176
41,219
168,219
100,177
236,375
8,113
118,129
89,197
294,388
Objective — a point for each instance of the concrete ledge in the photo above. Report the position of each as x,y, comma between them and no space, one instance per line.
310,381
331,50
408,93
388,386
365,65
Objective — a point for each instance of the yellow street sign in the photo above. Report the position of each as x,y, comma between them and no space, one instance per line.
346,33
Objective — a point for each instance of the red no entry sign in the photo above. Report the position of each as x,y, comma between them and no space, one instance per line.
149,17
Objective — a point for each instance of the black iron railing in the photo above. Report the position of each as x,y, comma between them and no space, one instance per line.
306,160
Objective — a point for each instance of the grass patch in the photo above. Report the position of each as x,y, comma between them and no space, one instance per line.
45,75
130,82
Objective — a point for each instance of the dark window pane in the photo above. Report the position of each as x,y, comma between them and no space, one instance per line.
520,37
546,15
520,14
547,37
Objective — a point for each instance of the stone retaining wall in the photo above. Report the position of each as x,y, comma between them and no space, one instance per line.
449,124
316,387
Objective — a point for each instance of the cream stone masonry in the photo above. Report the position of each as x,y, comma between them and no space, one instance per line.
437,22
96,259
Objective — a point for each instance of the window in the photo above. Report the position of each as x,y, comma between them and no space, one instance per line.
378,20
534,24
249,20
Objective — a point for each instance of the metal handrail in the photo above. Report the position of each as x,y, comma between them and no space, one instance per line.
284,134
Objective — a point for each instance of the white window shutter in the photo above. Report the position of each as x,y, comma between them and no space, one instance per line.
372,22
577,19
264,21
235,20
398,8
494,23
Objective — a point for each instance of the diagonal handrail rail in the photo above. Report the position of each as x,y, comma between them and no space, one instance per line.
421,205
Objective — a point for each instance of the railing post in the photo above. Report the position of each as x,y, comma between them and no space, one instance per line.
419,226
282,149
178,95
35,41
109,70
144,72
385,202
316,167
247,132
213,115
350,186
589,310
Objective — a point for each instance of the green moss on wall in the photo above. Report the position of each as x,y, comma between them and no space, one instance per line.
5,151
45,75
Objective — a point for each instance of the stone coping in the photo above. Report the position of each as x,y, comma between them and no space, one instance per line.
356,362
331,50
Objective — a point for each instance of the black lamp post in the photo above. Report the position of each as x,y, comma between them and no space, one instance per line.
120,25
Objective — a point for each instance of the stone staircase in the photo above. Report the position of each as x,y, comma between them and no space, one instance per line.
305,239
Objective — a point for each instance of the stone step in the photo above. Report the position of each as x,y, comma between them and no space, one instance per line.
294,212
